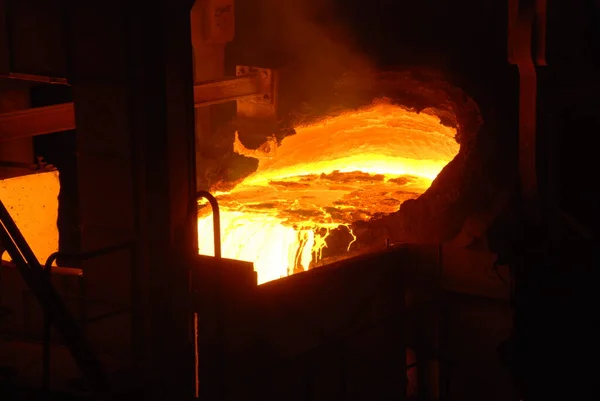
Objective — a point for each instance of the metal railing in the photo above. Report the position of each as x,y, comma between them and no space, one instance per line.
80,257
216,219
50,301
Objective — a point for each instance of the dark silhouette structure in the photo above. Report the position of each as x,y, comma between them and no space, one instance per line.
489,296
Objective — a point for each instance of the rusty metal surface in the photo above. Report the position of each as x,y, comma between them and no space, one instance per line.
37,121
219,21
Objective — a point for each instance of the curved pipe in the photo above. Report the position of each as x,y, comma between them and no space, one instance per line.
216,219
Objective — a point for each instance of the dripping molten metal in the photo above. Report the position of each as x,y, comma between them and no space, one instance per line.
343,169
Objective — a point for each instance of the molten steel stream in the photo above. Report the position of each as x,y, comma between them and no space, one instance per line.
346,168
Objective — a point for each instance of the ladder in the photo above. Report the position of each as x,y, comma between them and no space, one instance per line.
52,305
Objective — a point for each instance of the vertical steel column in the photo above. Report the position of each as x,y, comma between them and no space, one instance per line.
131,70
160,65
98,73
209,64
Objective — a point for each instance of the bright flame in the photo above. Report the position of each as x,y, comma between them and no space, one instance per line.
328,174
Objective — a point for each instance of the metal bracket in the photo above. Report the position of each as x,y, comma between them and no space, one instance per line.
262,104
250,86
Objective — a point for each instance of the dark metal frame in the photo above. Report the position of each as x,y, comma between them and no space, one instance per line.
54,308
48,319
256,86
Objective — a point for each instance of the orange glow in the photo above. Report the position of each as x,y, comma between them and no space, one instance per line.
331,173
32,201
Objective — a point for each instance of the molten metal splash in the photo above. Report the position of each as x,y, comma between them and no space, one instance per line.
332,173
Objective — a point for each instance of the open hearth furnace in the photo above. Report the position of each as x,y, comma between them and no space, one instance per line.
300,199
295,204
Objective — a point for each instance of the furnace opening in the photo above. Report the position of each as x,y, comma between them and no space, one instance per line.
358,165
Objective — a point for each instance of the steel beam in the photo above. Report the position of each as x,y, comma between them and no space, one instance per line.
37,121
34,79
225,90
255,85
19,151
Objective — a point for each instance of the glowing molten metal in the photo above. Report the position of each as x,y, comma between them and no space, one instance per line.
340,170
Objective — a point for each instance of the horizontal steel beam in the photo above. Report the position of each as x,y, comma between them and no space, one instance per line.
226,90
35,79
37,121
256,85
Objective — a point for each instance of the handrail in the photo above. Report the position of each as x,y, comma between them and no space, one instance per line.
219,312
50,301
86,255
216,219
47,320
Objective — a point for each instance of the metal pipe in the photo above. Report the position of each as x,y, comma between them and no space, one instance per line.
86,255
218,298
216,219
